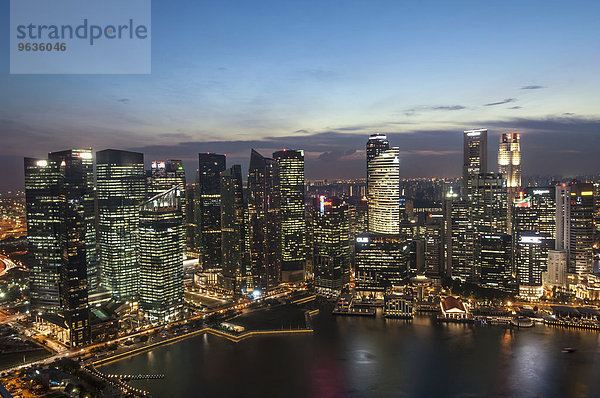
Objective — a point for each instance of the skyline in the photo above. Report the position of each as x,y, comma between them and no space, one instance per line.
227,78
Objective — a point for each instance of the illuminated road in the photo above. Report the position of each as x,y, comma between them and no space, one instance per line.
6,264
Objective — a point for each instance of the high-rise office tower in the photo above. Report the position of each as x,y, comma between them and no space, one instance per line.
575,225
556,275
495,257
377,143
383,176
233,229
509,159
161,249
534,225
293,229
165,175
331,248
535,211
434,245
489,203
45,218
381,262
264,226
209,209
61,236
509,165
475,157
121,188
461,238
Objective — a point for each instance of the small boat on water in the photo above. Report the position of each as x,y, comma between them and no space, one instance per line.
568,350
522,322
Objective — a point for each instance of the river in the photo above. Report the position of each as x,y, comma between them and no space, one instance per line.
375,357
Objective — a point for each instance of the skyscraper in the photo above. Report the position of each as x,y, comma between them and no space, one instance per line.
331,249
61,236
509,159
495,261
575,225
509,165
461,240
161,249
489,203
383,176
264,229
381,262
165,175
581,234
475,157
45,219
377,143
293,229
209,209
233,229
434,245
534,226
121,188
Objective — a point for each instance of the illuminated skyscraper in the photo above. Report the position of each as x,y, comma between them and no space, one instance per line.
381,262
461,240
60,226
233,229
534,225
121,188
495,261
434,245
208,213
377,143
264,227
165,175
331,250
489,203
383,176
509,159
475,157
293,228
161,249
575,225
509,165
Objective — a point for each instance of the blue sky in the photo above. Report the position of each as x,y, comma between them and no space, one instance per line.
321,75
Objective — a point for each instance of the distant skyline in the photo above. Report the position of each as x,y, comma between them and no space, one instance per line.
322,76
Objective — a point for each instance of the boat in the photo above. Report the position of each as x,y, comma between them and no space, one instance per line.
568,350
522,322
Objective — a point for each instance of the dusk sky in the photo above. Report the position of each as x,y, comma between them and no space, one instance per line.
321,76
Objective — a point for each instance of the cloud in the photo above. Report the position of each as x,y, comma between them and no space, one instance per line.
428,108
505,101
532,87
123,100
516,107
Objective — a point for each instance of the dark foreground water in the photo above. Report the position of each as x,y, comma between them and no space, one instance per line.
367,357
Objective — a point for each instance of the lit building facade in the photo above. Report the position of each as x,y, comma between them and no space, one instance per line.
461,240
331,243
264,228
232,230
208,211
509,165
474,157
161,250
376,144
121,188
575,225
61,237
293,230
495,261
381,262
434,245
489,203
383,192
